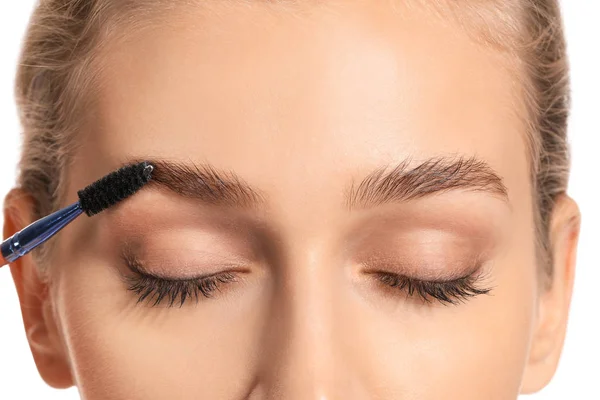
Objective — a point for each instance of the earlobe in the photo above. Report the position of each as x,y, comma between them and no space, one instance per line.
554,301
36,303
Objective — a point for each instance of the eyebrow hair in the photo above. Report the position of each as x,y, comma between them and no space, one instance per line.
435,175
204,182
385,185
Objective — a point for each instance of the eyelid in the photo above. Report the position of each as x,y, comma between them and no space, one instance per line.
422,253
181,263
420,268
137,265
138,269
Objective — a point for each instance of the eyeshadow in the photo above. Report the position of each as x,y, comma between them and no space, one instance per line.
184,261
416,266
421,247
188,247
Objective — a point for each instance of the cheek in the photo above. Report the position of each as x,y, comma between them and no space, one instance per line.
479,347
121,350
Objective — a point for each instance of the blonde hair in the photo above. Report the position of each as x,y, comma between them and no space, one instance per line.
56,72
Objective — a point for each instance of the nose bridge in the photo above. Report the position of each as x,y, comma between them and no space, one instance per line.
300,361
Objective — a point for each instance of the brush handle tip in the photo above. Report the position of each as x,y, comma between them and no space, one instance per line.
37,233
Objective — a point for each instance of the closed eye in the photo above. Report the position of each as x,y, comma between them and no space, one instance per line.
154,290
450,292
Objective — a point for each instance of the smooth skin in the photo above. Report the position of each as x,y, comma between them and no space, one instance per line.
301,102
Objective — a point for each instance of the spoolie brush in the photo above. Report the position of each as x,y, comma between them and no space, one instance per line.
95,198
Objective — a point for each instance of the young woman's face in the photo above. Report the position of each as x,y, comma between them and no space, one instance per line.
326,168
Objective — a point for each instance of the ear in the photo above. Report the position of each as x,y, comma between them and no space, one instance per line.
554,301
36,305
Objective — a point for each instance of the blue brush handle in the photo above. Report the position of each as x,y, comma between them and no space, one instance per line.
37,233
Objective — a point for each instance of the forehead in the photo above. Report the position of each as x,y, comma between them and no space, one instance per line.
317,93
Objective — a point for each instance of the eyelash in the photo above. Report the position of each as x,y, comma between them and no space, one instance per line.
445,292
155,289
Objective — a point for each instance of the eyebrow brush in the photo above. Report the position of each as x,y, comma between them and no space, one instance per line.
95,198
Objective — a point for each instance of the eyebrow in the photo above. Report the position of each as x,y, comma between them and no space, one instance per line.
205,183
435,175
385,185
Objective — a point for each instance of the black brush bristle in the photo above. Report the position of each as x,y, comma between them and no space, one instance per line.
114,187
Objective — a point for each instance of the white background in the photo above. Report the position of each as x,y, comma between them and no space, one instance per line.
578,375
